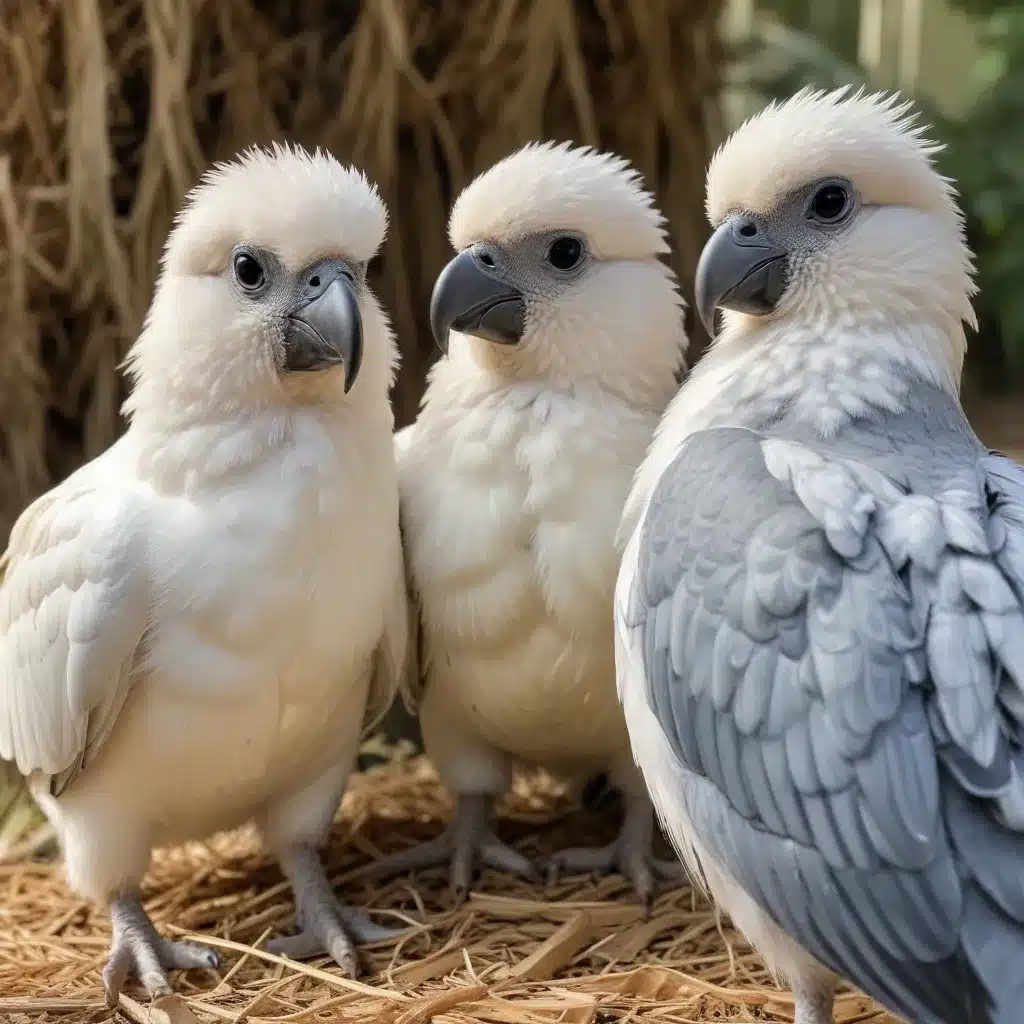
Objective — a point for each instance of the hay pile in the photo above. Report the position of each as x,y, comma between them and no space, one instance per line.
110,109
513,954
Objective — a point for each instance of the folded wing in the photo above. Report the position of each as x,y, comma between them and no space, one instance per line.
835,663
74,606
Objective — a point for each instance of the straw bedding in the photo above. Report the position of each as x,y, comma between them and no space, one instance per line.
578,952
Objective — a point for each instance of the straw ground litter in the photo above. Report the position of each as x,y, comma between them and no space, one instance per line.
579,952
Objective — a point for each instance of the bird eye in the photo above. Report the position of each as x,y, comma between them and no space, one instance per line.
249,272
565,253
830,204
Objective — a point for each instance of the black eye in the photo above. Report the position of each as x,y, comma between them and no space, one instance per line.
565,253
249,272
830,204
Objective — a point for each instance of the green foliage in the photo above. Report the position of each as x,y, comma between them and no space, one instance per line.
986,156
985,149
778,59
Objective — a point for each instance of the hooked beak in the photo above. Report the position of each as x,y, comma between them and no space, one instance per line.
471,297
741,269
325,328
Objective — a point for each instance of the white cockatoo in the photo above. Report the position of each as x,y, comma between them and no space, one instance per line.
564,335
195,625
820,613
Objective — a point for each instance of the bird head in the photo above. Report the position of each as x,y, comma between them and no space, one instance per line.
558,274
829,213
262,297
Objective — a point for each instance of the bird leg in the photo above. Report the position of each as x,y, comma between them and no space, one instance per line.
815,1003
468,839
138,949
630,852
325,924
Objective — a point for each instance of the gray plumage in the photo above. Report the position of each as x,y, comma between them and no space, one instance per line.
833,642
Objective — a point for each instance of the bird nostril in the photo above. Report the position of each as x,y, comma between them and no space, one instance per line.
486,259
314,281
748,229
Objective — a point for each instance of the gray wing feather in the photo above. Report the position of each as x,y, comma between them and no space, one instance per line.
836,661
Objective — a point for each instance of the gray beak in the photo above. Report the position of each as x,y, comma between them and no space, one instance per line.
471,296
741,269
325,327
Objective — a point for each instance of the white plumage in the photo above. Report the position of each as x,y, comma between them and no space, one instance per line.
513,479
194,626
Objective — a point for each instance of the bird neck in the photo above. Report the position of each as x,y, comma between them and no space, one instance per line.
821,371
817,378
638,372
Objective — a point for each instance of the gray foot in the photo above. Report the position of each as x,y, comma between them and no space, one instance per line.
138,949
630,853
466,842
325,924
815,1003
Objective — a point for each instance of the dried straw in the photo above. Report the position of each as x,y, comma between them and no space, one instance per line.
513,954
110,109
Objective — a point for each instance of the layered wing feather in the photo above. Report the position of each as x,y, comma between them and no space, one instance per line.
74,606
836,664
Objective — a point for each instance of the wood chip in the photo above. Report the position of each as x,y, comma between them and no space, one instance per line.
171,1009
425,1009
557,951
431,967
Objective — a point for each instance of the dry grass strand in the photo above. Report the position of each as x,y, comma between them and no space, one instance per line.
111,109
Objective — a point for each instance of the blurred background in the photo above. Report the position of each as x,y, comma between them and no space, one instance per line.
111,109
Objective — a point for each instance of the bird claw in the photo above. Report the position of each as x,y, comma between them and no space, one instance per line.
186,956
633,860
325,924
363,930
492,853
461,851
336,938
138,949
301,946
429,854
307,944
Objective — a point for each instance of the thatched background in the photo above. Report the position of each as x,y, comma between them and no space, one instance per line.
110,109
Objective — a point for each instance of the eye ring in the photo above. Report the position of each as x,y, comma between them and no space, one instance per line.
831,203
565,253
248,271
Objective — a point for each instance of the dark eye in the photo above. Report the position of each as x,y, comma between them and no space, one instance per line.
830,204
249,272
565,253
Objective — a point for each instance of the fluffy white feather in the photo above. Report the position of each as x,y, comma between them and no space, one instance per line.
514,476
548,185
191,626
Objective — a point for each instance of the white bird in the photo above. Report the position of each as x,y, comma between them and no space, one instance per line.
820,613
195,625
564,337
